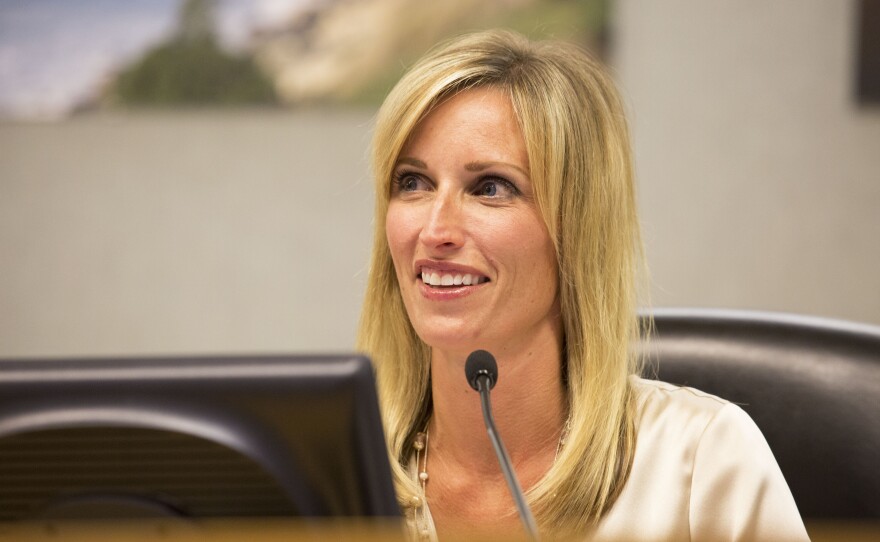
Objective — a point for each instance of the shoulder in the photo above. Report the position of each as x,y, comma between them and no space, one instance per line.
700,421
707,462
712,437
675,425
687,411
657,391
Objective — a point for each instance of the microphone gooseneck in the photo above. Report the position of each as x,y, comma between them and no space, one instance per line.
481,371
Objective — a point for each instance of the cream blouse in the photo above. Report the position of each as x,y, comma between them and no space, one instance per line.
702,471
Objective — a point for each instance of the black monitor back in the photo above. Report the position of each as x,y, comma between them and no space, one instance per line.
192,437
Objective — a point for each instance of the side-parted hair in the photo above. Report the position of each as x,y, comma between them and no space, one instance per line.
573,124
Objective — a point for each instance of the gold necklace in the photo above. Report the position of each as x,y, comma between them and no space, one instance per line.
420,511
419,502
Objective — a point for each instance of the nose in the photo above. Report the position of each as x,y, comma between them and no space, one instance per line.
444,227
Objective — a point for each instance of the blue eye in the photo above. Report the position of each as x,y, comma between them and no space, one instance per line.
496,188
488,188
408,182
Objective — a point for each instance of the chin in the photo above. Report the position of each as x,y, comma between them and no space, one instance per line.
450,333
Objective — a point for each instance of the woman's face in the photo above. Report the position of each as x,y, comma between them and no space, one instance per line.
475,263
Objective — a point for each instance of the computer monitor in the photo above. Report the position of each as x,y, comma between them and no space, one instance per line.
192,437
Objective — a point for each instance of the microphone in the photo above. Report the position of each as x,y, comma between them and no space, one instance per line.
481,371
481,364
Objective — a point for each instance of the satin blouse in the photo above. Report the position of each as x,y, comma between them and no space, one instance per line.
702,470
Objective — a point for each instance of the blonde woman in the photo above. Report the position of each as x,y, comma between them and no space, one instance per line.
506,221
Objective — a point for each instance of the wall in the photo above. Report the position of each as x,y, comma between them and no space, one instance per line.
175,233
760,175
249,231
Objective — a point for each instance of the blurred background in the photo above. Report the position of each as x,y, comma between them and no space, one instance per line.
191,176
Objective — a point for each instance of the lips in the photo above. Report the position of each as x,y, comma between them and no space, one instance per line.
445,277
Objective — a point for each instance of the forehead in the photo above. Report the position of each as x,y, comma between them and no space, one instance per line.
479,121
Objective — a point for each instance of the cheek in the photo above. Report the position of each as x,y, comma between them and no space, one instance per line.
538,266
399,231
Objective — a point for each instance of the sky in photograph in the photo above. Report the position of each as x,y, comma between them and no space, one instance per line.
55,53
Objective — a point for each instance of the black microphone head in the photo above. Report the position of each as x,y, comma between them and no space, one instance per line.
481,363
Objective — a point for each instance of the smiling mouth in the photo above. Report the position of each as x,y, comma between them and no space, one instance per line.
444,279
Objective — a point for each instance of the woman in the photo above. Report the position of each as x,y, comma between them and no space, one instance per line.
506,221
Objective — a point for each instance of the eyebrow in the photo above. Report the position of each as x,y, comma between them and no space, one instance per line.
413,162
480,166
470,166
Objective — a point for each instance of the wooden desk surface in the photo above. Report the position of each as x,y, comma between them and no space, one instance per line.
274,530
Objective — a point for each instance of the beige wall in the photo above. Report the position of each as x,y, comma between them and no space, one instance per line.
243,232
760,176
197,232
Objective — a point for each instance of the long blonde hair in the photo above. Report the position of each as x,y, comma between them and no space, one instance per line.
572,120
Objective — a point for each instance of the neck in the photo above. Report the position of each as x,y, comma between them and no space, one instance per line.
528,404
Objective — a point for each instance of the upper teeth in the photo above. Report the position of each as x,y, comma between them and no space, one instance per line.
436,278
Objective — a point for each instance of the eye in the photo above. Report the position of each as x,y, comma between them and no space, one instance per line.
406,181
496,188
